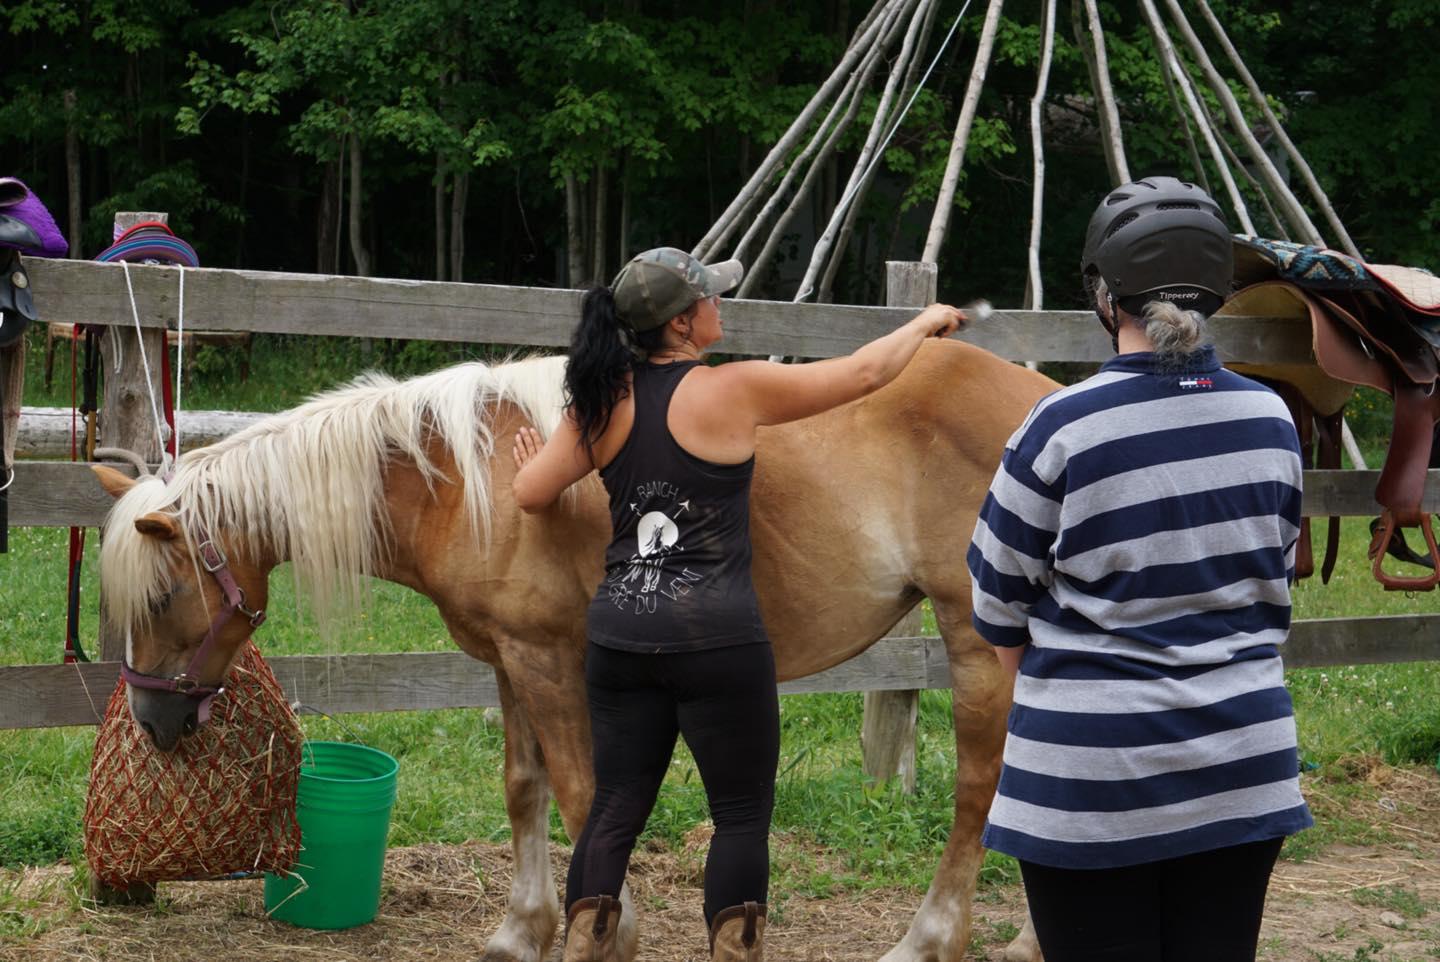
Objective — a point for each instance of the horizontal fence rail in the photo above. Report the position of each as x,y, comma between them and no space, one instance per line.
59,493
47,696
87,292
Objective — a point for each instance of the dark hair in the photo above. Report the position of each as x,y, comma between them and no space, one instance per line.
603,350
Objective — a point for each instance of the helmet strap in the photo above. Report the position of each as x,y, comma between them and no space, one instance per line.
1112,322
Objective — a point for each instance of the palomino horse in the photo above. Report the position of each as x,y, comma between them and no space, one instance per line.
858,513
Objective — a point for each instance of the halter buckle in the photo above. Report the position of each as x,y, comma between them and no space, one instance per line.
211,557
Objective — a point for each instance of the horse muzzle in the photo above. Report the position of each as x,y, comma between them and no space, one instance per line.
165,716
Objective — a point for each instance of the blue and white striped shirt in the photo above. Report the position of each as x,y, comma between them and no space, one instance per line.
1140,537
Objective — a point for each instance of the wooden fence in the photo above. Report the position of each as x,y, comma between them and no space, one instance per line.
51,493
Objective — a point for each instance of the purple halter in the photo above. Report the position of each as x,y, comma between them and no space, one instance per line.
188,681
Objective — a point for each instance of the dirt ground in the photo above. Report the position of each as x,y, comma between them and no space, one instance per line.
1347,903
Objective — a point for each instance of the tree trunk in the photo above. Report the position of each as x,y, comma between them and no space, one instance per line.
574,233
441,243
325,220
623,249
458,202
600,223
240,252
76,212
357,236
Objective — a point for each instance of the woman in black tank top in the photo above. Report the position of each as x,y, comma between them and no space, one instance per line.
676,642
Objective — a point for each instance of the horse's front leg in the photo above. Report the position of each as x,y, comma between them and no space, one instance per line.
548,684
980,697
530,922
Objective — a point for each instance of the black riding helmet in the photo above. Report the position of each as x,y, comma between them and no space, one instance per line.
1159,239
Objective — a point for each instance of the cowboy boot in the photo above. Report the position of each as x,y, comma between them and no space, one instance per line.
590,930
738,934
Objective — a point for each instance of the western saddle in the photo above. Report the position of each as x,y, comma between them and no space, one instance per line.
1372,324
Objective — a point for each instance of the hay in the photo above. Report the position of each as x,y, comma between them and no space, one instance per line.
222,802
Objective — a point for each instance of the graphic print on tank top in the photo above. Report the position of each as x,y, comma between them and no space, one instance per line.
655,574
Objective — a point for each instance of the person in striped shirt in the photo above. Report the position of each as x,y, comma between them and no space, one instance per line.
1132,566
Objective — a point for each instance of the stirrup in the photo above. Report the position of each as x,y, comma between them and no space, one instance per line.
1380,540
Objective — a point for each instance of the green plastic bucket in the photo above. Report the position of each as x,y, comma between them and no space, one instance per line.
343,806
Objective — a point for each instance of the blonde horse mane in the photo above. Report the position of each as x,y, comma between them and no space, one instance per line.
308,484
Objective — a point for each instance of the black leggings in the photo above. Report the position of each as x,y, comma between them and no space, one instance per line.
725,704
1197,908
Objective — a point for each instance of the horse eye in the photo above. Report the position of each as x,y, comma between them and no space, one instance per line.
161,603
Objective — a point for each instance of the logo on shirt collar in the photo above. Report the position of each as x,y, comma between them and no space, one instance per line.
1196,383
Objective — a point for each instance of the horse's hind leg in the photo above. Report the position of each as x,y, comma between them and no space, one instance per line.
529,925
980,698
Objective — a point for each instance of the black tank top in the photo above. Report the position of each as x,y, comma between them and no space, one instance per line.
677,572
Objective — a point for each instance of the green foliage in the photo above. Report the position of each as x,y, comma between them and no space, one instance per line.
249,107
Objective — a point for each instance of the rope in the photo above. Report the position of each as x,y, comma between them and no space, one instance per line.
144,360
179,365
172,450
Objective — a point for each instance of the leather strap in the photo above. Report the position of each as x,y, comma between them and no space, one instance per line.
1328,458
188,681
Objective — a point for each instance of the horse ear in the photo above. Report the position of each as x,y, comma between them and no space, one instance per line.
114,483
157,525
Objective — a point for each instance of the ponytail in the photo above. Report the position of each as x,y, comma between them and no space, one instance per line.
603,350
1174,332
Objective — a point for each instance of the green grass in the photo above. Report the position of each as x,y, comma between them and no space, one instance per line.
1401,899
451,761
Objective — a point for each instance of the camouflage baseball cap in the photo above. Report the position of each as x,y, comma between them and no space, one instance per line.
660,283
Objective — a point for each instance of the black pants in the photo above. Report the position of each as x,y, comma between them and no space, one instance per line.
725,704
1197,908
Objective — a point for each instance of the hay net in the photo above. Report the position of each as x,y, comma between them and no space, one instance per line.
222,802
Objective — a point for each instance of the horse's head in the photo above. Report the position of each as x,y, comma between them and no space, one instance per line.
183,604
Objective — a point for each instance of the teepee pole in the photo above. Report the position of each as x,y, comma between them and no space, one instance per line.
1237,164
887,115
940,220
825,136
1169,60
1179,108
1099,65
854,186
1296,158
855,95
721,230
1289,204
1035,294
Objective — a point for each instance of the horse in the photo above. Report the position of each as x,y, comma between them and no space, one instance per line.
858,513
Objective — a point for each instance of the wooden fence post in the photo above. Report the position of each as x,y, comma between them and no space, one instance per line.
127,421
887,734
126,418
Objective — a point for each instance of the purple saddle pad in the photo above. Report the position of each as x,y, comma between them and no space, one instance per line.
25,224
